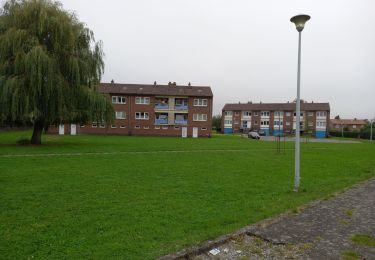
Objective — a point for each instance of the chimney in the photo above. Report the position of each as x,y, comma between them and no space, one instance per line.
249,102
112,81
169,83
154,83
189,84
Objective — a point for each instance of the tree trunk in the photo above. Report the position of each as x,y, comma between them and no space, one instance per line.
37,133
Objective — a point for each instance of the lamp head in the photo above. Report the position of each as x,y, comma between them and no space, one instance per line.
299,21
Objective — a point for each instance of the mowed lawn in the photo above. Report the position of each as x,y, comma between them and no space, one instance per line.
143,197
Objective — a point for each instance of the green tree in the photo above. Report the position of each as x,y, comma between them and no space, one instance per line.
50,67
216,122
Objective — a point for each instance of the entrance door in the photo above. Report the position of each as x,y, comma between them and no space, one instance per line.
61,129
195,132
73,129
184,131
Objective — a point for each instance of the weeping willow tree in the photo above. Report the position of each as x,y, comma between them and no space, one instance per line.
50,67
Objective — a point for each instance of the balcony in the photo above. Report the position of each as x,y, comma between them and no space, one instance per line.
181,107
180,122
163,121
161,105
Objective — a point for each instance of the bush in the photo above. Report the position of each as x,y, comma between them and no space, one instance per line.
347,134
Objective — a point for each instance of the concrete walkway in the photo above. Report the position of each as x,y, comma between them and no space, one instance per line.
323,230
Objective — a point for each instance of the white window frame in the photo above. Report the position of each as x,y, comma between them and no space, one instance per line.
278,113
246,113
310,113
276,123
113,126
204,128
265,113
228,113
94,125
321,114
146,127
200,102
137,127
199,117
227,122
142,115
142,100
120,114
265,122
118,100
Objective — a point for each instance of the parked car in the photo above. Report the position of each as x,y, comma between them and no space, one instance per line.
262,132
253,135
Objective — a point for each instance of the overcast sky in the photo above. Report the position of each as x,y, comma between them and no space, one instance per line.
246,50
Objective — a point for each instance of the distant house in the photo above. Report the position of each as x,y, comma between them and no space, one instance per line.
162,110
275,118
347,124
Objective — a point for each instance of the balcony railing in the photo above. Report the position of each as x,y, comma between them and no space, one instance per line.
161,121
161,106
180,122
181,107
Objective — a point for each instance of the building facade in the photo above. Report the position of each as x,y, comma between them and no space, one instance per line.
348,124
275,118
164,110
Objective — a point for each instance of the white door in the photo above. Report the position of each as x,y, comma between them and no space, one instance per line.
184,131
73,129
61,129
195,132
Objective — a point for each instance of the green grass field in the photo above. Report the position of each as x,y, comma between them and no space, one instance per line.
143,197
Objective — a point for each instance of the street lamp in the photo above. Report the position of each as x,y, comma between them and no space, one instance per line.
372,121
299,21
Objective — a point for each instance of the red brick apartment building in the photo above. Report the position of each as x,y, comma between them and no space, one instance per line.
164,110
275,118
348,124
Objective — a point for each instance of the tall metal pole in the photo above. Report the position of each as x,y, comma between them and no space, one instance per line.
298,113
372,121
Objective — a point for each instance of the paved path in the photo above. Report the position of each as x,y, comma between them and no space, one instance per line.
323,230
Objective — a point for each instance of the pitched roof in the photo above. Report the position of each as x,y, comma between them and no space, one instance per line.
168,90
277,106
349,121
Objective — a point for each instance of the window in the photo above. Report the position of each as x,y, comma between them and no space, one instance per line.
102,125
296,114
137,127
321,114
94,125
264,122
287,123
246,113
354,126
176,127
244,124
204,128
82,126
146,127
310,114
320,123
157,127
265,113
142,100
288,114
199,117
310,123
255,113
141,115
120,114
227,122
200,102
113,126
122,126
164,127
278,123
278,113
228,113
118,100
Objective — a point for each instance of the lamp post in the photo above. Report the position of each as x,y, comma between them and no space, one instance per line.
299,21
372,121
